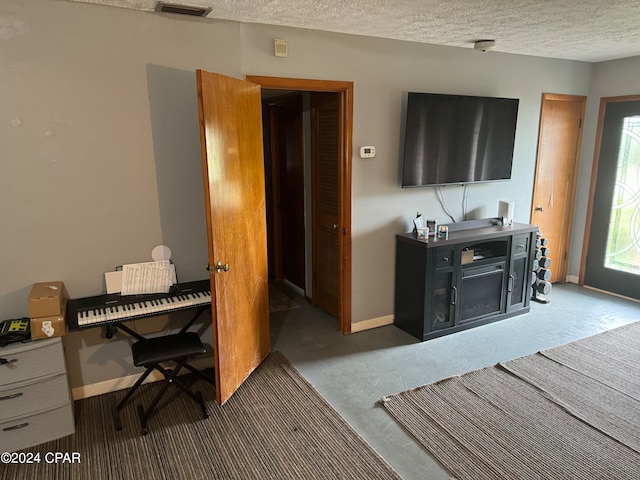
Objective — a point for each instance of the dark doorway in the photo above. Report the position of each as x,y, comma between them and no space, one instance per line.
318,123
302,158
285,166
612,243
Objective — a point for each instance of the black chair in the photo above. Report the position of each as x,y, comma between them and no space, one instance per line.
150,353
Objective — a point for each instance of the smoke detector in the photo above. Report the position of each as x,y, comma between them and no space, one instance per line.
484,45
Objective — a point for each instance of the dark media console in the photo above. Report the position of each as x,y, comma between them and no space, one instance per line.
480,274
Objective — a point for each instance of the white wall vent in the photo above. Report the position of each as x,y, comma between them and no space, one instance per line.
280,47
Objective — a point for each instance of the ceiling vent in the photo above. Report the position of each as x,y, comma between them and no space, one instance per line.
182,9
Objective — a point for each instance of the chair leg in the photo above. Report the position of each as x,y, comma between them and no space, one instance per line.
206,377
145,414
196,396
171,377
115,411
203,407
143,420
178,383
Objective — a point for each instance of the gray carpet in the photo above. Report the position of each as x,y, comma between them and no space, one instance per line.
572,412
276,426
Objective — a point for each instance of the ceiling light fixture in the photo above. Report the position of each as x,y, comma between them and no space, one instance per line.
484,45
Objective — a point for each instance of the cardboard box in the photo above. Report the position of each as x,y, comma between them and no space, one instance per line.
467,256
48,327
46,299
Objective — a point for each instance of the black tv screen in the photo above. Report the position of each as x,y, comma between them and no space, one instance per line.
458,139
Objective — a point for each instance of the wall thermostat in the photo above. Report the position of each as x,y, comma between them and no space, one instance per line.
367,152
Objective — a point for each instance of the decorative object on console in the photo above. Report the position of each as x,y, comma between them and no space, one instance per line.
422,233
423,228
433,226
418,223
505,212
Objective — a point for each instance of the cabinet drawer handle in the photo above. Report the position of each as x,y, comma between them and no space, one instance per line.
454,295
9,397
4,360
16,427
445,259
511,282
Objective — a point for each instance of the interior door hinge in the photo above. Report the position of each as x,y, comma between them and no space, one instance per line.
580,123
565,256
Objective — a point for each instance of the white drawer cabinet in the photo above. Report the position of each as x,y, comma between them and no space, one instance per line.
35,404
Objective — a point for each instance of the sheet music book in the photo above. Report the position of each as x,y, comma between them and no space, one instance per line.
148,277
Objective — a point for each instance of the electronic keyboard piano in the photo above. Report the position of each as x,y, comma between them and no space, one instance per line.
115,308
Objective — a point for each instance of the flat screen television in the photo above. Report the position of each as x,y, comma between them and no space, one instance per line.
457,139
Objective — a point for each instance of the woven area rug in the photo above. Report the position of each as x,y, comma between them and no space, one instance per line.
278,301
572,412
276,426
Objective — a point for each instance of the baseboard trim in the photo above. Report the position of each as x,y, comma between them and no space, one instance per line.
573,279
372,323
295,288
611,293
121,383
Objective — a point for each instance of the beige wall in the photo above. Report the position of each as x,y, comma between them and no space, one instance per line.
99,146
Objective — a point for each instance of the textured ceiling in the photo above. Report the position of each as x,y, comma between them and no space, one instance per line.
587,30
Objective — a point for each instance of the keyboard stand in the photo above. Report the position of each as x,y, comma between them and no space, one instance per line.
112,328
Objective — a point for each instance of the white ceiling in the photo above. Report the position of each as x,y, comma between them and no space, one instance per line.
587,30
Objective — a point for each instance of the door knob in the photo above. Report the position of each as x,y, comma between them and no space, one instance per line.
539,209
335,226
222,267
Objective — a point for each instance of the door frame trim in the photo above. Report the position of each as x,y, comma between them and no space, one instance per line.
276,220
561,275
345,89
604,101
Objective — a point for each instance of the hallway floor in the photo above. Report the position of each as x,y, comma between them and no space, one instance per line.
353,372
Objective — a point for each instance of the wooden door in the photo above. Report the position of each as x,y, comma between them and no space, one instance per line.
325,200
233,170
559,142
